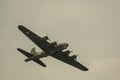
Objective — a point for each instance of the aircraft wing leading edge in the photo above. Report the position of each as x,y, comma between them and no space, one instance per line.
30,55
35,38
68,60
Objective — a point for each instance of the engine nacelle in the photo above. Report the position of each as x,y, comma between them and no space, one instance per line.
67,52
54,43
73,57
44,38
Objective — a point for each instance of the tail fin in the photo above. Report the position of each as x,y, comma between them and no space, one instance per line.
27,54
33,51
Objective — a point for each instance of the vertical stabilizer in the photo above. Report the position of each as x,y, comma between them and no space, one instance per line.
33,51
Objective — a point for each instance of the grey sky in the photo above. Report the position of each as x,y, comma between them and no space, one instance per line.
91,27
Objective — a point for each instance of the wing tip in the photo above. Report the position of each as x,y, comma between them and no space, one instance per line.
18,49
44,65
20,26
85,69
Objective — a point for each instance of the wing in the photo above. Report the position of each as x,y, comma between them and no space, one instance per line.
39,62
68,60
25,53
30,55
36,39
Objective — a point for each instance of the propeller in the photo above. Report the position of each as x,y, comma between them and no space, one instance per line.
77,54
48,36
49,39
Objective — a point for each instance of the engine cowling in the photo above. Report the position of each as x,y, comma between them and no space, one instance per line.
54,43
67,52
44,38
73,57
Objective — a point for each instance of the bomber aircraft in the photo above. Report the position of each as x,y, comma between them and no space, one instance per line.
52,49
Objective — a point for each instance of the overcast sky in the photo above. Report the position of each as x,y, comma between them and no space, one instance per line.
91,27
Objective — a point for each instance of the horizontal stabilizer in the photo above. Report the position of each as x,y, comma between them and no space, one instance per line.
27,54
